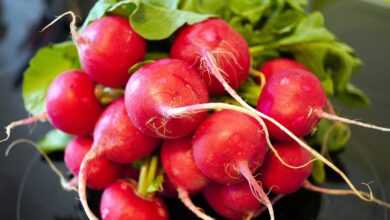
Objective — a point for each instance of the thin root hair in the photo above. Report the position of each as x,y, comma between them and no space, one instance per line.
185,198
66,185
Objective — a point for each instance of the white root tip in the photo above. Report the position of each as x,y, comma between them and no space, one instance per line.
82,190
345,192
256,189
66,185
334,117
72,25
26,121
186,200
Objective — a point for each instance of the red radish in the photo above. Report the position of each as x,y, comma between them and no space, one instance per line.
280,64
118,139
100,171
232,201
180,167
228,48
228,152
292,97
155,89
120,201
108,47
71,104
221,145
281,179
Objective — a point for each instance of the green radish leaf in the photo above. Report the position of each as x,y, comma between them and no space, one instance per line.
168,4
252,10
157,184
250,91
155,55
157,23
215,7
138,65
54,141
318,174
331,135
47,63
354,97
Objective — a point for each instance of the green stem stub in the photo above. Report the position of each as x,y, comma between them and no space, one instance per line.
151,177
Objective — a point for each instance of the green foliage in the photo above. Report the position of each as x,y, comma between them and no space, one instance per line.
54,140
47,63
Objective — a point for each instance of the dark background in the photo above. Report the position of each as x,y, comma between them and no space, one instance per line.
29,190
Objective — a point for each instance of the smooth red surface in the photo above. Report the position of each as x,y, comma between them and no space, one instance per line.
71,103
214,200
100,171
180,167
282,179
292,97
219,38
120,202
225,139
75,152
118,139
236,199
279,64
108,47
163,85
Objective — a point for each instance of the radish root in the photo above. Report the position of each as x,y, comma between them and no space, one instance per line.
334,117
342,192
26,121
185,198
66,185
82,189
215,71
72,25
256,189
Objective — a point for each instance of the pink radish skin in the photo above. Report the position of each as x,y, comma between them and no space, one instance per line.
220,144
217,37
280,64
180,167
281,179
292,97
118,139
71,104
121,202
155,89
108,47
237,200
220,207
100,171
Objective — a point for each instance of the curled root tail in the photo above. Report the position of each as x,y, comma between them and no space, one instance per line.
72,25
344,192
83,184
66,185
256,189
334,117
185,198
26,121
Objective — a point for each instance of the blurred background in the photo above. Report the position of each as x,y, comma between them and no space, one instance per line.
30,190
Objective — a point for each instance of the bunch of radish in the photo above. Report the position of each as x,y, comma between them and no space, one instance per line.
242,158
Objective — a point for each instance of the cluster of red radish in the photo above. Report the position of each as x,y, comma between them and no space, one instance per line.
217,149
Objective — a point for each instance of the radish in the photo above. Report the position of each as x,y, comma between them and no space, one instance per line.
118,139
232,201
156,88
281,179
182,172
228,152
280,64
120,201
100,172
211,42
71,104
107,48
